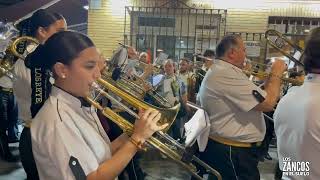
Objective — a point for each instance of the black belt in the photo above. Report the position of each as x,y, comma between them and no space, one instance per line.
3,89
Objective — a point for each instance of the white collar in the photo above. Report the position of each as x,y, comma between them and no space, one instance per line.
66,97
227,64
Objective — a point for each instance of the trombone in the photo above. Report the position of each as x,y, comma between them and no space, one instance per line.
155,68
134,87
280,42
174,150
263,75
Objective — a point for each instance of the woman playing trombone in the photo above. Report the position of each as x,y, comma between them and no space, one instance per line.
68,140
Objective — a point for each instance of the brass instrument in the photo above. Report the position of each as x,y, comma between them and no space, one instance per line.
152,92
155,68
284,78
283,45
280,42
159,140
11,54
191,83
135,87
134,84
199,71
199,75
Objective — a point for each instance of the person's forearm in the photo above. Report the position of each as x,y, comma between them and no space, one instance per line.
117,143
111,168
272,87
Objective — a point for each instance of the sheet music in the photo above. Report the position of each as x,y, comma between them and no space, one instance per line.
197,128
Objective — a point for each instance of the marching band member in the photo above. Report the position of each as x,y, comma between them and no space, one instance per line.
174,90
297,123
67,130
41,25
131,72
234,105
8,118
208,60
131,69
144,57
187,78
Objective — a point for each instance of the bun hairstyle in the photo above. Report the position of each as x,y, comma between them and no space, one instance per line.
311,56
29,27
40,18
61,47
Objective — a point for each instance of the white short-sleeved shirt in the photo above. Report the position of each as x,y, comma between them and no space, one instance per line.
5,82
171,88
63,128
226,94
22,90
297,126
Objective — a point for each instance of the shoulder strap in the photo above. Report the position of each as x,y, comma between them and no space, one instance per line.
76,169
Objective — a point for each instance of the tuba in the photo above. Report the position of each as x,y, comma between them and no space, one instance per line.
160,140
12,53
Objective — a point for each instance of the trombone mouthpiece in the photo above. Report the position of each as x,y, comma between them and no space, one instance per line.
95,85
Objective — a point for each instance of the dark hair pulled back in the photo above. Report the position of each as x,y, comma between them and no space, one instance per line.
40,18
61,47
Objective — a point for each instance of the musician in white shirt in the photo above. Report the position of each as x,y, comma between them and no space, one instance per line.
296,123
67,138
41,25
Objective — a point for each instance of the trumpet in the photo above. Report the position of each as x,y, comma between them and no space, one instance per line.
160,140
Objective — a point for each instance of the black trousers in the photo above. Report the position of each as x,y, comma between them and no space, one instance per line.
269,135
8,117
233,163
27,159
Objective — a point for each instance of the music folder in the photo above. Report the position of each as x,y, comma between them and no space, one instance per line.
197,128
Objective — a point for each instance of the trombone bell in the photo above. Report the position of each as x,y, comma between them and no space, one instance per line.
161,141
280,42
167,115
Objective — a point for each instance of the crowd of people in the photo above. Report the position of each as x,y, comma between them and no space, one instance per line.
64,137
